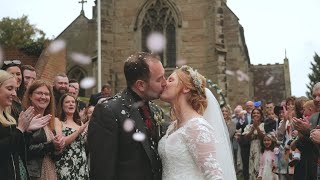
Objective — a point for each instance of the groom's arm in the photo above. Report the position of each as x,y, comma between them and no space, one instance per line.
103,143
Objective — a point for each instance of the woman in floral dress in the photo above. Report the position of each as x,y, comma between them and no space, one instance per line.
73,163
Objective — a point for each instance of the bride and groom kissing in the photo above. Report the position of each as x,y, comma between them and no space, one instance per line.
195,146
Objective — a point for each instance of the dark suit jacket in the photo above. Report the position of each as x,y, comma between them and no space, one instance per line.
114,155
94,98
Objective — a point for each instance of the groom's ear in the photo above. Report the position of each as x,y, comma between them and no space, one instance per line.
141,85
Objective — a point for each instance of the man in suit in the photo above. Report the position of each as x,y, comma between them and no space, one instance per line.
105,93
114,152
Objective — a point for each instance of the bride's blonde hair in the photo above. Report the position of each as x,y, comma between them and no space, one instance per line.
8,120
194,81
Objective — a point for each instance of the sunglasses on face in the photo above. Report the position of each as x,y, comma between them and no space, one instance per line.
8,62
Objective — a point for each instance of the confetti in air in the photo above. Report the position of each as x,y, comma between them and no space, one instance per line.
138,104
80,58
156,42
242,76
269,81
128,125
87,82
181,62
57,46
231,73
138,136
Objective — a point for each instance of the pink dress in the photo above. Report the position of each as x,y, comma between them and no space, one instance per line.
267,160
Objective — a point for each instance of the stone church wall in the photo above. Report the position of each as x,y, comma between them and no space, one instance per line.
208,36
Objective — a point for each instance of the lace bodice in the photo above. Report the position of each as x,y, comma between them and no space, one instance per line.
189,152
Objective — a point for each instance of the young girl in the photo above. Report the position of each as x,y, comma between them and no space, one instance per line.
267,158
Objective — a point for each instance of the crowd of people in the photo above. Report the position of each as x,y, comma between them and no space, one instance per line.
43,125
276,141
47,132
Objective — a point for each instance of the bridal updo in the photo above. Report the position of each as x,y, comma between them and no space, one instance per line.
194,81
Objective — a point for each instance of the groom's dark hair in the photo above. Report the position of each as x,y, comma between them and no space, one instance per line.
137,68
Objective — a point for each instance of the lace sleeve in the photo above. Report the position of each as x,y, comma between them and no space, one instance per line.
201,144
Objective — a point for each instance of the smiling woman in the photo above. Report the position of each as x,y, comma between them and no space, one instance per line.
73,163
12,134
43,146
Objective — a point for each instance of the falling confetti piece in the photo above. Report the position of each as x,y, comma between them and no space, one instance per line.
123,112
87,82
138,104
242,76
57,46
80,58
128,125
269,81
181,62
139,136
156,42
231,73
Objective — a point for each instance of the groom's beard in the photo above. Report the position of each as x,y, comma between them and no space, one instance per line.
151,95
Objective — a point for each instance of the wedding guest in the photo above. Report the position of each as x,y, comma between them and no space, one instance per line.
267,158
299,106
74,85
271,122
88,113
73,162
14,68
60,86
281,151
249,108
226,112
244,143
255,133
29,75
306,167
13,134
43,146
105,93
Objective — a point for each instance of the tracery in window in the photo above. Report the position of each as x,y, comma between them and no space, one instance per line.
159,18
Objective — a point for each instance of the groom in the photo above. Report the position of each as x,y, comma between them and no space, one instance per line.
114,153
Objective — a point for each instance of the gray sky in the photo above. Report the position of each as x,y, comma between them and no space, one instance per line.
271,26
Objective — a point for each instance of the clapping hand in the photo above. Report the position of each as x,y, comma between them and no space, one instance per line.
25,118
300,124
38,122
83,127
287,114
58,143
315,135
255,124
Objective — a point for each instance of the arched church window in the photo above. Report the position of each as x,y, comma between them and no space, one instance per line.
158,18
77,73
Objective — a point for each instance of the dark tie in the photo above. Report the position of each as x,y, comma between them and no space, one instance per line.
148,121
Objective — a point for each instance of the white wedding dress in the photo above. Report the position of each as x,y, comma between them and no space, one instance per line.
199,150
189,152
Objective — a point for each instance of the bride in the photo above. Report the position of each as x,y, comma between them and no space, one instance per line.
196,145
